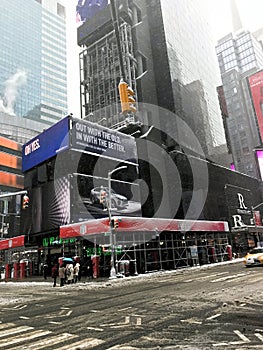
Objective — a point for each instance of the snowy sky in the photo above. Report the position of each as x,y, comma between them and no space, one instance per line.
216,11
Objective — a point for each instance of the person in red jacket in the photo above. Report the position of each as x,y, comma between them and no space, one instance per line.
54,274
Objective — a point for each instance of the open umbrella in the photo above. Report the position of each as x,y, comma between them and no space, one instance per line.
68,260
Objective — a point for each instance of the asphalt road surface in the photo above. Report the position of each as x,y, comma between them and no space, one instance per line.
212,307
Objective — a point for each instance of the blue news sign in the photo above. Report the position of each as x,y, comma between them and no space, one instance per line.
46,145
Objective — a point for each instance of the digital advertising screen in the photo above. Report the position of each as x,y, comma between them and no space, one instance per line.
259,159
86,9
256,89
46,145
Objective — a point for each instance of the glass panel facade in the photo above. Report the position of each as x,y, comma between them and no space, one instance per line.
33,80
193,67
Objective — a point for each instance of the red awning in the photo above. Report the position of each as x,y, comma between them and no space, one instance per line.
14,242
139,224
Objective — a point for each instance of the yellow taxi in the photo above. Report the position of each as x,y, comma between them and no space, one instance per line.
254,257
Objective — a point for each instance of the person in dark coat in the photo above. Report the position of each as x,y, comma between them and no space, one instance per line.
54,274
45,270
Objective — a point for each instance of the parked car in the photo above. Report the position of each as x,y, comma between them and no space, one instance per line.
254,257
117,200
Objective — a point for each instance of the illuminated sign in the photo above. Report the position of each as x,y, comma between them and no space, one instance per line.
49,241
46,145
86,9
259,158
256,88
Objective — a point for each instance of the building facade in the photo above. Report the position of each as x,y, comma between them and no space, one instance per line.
33,67
240,55
176,72
11,180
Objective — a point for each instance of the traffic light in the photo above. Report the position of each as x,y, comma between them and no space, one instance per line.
126,97
102,196
116,223
25,202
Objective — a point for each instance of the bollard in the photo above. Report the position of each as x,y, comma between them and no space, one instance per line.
22,269
229,252
95,263
7,271
16,270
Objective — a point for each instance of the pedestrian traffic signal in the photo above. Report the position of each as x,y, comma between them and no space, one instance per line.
25,202
127,98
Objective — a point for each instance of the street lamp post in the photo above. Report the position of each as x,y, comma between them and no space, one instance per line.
113,270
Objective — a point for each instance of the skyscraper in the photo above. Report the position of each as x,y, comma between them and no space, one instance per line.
170,63
240,55
33,70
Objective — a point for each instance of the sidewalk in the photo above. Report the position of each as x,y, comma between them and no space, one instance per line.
85,280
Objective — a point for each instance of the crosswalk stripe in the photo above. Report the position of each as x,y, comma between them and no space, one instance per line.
40,344
6,325
14,330
82,344
20,338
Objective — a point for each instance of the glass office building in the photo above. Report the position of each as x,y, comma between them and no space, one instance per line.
193,69
33,81
239,56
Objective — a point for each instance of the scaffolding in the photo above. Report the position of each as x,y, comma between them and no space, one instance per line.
100,74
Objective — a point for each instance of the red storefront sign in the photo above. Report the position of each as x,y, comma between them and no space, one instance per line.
13,242
257,218
139,224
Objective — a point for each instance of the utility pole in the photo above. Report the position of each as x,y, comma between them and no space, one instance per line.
112,241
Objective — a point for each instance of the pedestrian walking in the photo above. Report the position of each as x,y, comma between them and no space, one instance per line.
61,275
54,274
69,273
76,272
45,270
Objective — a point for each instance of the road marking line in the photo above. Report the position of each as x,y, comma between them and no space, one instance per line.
54,322
214,316
15,330
95,329
20,338
40,344
20,307
6,325
242,336
220,344
82,344
259,336
24,317
228,277
138,321
126,308
191,321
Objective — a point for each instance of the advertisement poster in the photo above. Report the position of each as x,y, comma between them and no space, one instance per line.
102,141
46,145
86,194
256,88
86,9
259,158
